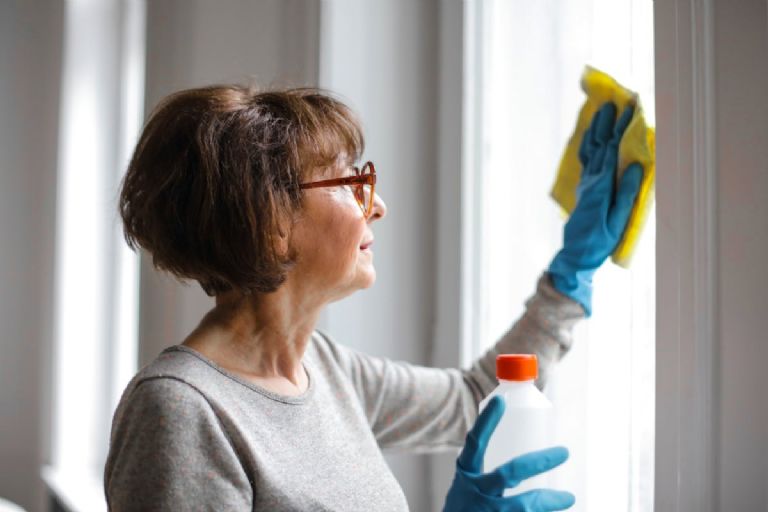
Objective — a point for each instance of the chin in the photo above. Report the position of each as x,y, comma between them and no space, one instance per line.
370,282
361,284
367,279
365,275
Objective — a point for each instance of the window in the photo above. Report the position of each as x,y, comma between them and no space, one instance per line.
96,303
525,59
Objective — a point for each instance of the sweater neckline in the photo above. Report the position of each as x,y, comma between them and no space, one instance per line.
286,399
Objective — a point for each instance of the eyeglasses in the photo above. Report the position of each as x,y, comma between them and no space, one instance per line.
363,185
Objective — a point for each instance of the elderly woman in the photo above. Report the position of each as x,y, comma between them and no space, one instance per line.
256,196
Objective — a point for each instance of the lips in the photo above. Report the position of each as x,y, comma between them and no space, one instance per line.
366,245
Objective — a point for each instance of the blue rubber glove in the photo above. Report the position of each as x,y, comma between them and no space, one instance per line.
484,492
597,223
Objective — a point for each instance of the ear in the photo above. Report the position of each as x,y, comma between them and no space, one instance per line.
283,240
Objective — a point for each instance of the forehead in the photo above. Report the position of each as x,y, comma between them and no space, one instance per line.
339,167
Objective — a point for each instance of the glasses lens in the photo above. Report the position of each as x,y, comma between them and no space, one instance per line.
361,194
365,192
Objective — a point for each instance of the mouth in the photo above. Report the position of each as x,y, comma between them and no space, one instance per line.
366,245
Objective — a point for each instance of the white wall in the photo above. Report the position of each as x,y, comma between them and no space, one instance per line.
30,61
450,262
741,84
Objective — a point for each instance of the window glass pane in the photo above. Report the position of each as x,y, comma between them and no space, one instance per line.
532,55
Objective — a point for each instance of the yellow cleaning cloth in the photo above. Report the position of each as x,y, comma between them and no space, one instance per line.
637,145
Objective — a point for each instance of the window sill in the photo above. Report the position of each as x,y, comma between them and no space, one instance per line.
7,506
76,490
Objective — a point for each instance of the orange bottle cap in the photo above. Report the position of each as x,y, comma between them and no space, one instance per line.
517,367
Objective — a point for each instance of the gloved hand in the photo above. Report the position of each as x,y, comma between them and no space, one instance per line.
484,492
601,214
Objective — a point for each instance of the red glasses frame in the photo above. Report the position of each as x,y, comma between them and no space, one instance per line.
364,176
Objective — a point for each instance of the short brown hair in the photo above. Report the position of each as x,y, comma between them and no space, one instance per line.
215,177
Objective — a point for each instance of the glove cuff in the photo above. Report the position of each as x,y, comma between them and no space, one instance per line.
576,284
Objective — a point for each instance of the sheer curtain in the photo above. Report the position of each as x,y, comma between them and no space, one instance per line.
529,59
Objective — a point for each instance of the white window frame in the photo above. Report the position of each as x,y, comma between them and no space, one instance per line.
687,273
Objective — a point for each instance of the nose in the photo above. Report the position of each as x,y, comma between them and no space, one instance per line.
379,209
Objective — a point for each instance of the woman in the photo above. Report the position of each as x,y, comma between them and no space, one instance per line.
255,196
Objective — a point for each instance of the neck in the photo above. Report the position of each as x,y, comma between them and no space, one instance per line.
261,337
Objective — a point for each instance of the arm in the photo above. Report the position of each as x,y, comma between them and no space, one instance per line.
169,452
545,329
419,409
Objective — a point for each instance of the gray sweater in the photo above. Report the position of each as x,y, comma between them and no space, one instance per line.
188,435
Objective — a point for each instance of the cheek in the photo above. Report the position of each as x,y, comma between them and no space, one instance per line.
344,224
327,240
344,238
333,241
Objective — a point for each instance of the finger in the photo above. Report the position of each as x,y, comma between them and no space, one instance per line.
587,143
471,457
596,136
622,123
629,187
511,473
608,162
605,121
543,500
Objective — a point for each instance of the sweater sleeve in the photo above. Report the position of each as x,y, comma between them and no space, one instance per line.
419,409
545,329
169,452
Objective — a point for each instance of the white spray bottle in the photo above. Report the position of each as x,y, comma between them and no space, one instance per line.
526,425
